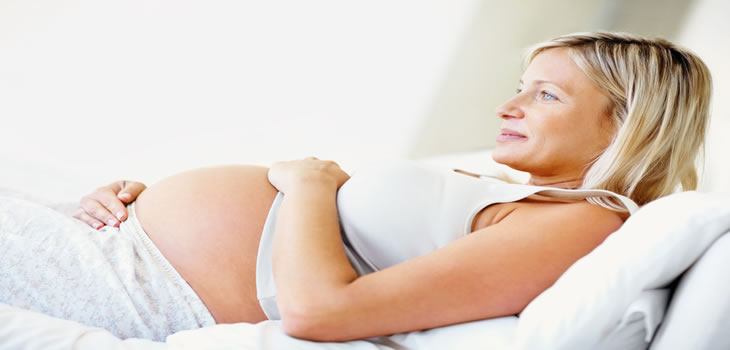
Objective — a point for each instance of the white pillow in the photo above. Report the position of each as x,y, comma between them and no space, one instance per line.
699,316
24,329
651,249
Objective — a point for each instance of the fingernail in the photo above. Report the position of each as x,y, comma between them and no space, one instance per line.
96,225
125,196
112,222
119,215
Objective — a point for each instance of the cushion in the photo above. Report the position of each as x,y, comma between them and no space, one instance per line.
699,315
651,249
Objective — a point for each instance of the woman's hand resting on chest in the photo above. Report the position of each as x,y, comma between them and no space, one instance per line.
292,175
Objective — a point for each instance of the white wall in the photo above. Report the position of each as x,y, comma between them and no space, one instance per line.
707,32
100,90
93,91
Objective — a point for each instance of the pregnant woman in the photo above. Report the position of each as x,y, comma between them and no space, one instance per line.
601,122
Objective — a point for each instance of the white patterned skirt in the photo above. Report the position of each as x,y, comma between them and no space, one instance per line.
113,278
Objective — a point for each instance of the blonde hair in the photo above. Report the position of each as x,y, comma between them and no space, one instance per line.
659,106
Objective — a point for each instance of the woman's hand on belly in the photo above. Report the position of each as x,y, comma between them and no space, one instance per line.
107,204
291,175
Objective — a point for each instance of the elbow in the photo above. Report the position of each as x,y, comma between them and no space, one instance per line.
324,315
308,328
302,320
313,323
301,328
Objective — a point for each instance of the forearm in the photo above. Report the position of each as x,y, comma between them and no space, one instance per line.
311,269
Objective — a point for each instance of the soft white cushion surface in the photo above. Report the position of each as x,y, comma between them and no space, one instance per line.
699,316
650,250
28,330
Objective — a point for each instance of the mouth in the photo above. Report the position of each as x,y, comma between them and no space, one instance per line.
509,135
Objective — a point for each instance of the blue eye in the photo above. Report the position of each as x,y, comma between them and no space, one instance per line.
548,96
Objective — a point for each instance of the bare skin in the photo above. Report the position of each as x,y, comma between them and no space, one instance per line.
207,223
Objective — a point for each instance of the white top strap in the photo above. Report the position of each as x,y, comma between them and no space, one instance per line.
629,204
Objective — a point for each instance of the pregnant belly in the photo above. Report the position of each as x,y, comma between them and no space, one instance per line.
207,222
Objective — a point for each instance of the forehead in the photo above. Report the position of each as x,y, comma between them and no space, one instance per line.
556,66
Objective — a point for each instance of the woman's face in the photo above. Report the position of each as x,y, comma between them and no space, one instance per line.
556,124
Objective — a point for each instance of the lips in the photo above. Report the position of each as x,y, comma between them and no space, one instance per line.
510,135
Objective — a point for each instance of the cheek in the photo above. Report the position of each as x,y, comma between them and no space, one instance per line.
600,129
592,140
608,130
553,133
567,136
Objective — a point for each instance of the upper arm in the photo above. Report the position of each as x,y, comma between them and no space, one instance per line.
495,271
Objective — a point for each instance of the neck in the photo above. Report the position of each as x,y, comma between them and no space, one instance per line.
569,183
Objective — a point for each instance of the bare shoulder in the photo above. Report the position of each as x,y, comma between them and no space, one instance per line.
578,223
539,240
579,209
586,215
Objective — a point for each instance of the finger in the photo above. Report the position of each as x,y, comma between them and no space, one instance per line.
81,215
130,191
98,210
109,198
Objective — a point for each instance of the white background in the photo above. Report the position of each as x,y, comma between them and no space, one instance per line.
93,90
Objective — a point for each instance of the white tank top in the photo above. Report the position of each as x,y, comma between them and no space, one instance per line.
402,210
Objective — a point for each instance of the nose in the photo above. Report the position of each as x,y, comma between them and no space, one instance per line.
511,109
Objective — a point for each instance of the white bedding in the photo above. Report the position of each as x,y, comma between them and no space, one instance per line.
610,299
22,329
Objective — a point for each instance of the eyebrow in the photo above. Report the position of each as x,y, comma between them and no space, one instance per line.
540,81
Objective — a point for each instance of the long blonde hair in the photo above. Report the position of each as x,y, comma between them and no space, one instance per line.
660,99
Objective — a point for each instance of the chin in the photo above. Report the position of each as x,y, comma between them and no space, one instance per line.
502,156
